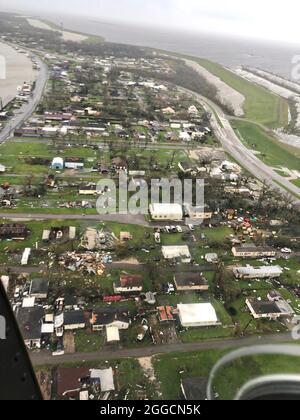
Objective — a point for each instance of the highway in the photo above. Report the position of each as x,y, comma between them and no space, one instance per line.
27,109
245,157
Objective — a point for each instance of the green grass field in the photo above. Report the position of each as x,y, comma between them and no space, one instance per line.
172,368
260,106
271,152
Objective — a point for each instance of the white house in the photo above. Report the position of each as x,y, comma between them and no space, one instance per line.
197,315
166,212
264,272
74,163
177,252
268,309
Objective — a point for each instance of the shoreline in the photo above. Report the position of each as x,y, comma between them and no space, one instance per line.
19,69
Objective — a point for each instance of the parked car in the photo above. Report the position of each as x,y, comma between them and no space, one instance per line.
179,229
191,227
286,251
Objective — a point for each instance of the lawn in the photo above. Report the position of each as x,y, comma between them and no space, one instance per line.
172,368
270,151
86,341
35,237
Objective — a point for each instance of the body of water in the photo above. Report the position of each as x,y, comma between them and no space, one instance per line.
273,57
18,69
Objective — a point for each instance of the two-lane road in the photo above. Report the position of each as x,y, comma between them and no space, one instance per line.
45,358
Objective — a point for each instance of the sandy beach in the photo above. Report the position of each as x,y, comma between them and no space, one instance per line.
67,36
18,70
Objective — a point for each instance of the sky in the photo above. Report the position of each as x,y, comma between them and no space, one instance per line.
264,19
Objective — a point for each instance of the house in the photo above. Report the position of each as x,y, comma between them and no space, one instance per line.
166,212
57,164
194,389
13,231
197,315
186,281
74,163
49,131
198,213
252,251
129,283
30,324
180,252
264,272
269,309
110,317
39,288
74,320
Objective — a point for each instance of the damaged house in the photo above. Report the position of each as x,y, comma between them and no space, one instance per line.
14,231
30,324
55,233
129,283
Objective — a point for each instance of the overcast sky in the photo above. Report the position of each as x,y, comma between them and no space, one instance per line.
257,18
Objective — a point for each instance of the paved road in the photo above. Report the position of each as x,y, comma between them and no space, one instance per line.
120,218
45,358
28,108
234,146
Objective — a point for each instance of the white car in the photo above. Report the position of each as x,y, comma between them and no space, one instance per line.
286,251
167,229
192,228
179,229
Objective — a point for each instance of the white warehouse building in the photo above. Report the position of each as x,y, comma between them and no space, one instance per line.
166,211
197,315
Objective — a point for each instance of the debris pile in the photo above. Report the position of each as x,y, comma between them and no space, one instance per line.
87,262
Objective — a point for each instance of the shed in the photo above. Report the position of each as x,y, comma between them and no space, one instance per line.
112,334
57,164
